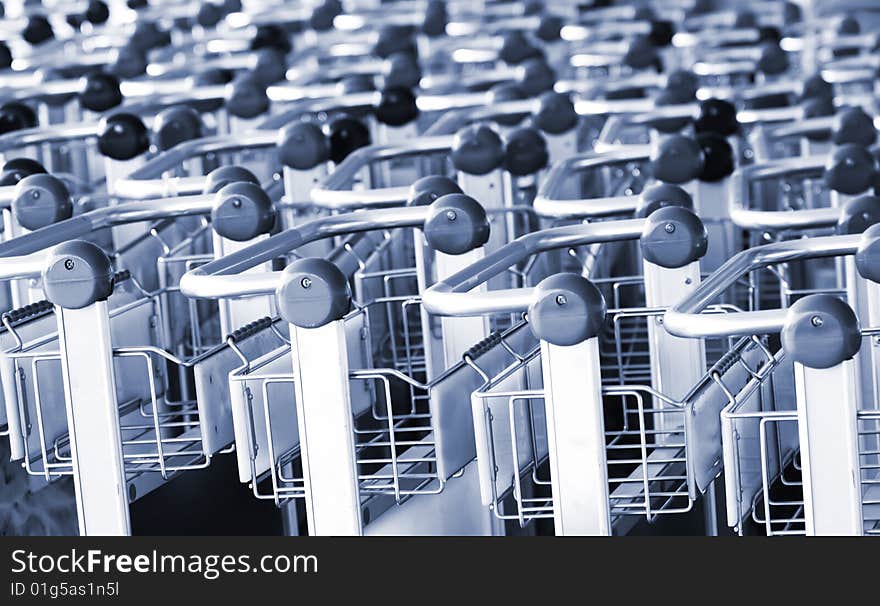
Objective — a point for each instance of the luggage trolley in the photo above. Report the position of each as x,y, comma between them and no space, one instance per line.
119,440
642,466
377,440
797,465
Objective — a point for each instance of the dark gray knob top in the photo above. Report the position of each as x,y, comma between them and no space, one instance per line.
303,146
673,237
859,214
77,274
220,177
313,292
507,91
868,254
821,331
525,152
662,195
456,224
568,309
745,19
717,116
537,76
176,125
271,66
101,92
477,150
242,211
817,86
678,159
516,48
427,189
131,62
246,98
853,125
849,25
41,200
641,53
669,125
718,157
850,169
397,106
123,137
549,28
403,71
773,60
556,114
17,169
682,84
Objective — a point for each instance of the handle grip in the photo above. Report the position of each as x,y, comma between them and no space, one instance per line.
249,329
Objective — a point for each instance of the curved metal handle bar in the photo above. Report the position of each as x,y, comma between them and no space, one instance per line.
334,190
452,297
776,220
302,107
82,225
453,121
685,318
49,134
147,181
223,278
548,203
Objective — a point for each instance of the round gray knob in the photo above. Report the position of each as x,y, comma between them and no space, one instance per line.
773,60
682,84
669,125
303,146
77,274
868,254
219,177
507,91
556,114
403,71
568,309
477,150
537,76
660,196
456,224
850,169
246,98
525,152
40,200
859,214
427,189
242,211
673,237
678,159
853,125
313,292
176,125
817,86
821,331
641,53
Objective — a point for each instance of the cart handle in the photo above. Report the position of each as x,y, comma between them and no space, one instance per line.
685,318
549,204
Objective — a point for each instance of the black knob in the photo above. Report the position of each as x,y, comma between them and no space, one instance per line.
101,92
303,146
395,39
219,178
97,12
661,33
123,137
427,189
477,150
556,114
537,77
17,169
773,60
850,169
321,19
176,125
5,56
209,15
817,86
37,30
718,156
849,26
246,98
516,48
507,91
745,19
815,107
525,152
271,66
403,71
682,85
717,116
136,4
549,28
16,116
436,18
272,36
131,62
641,53
853,125
678,159
397,106
346,134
